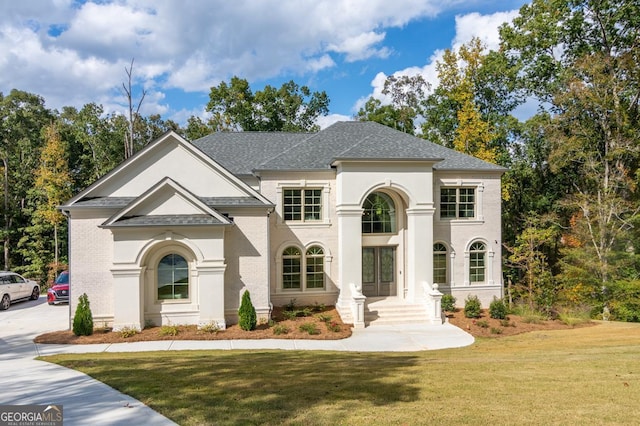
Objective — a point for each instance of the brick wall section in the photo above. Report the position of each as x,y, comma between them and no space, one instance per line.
247,259
90,260
324,233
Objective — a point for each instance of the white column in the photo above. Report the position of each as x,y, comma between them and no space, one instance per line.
128,300
349,253
210,280
419,253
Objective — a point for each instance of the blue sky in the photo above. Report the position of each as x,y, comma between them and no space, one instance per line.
75,52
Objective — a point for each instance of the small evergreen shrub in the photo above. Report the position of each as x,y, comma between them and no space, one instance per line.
309,327
472,307
247,313
448,303
83,318
498,309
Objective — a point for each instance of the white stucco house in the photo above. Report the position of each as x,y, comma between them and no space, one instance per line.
355,215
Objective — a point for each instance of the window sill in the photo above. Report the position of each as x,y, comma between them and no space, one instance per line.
460,221
172,301
299,291
301,225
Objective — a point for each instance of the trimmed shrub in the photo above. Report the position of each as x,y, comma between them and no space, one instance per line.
448,303
472,307
498,309
83,318
247,313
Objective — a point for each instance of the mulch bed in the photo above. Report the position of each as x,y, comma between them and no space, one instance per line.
233,332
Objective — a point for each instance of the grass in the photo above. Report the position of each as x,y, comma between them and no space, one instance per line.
580,376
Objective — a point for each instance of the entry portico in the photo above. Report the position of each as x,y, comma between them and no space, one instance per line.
397,186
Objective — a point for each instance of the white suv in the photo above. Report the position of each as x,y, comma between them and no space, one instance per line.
14,287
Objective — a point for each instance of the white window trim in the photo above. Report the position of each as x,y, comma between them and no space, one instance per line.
325,188
303,266
489,256
478,186
159,255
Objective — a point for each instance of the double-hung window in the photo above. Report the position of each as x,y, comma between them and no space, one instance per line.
457,203
293,265
477,262
302,205
439,263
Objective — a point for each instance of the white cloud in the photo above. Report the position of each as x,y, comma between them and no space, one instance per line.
73,52
326,121
485,27
360,47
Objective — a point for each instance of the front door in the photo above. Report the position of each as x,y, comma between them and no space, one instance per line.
378,271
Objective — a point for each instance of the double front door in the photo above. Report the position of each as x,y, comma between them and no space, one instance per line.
378,271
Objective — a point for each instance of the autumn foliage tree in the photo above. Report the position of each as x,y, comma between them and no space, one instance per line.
52,184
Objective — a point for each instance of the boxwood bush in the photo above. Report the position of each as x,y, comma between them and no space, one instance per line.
498,309
448,303
472,307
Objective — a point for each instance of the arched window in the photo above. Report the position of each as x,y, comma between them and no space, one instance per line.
173,277
379,216
315,267
439,263
291,268
477,262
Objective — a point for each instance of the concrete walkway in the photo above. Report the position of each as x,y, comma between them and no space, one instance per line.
88,401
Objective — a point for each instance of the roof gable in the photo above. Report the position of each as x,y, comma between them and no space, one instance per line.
166,200
169,156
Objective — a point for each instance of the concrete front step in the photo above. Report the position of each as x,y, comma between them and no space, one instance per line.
375,313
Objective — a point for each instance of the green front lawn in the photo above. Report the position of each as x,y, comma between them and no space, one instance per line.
584,376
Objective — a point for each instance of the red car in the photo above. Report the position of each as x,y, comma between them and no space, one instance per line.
59,291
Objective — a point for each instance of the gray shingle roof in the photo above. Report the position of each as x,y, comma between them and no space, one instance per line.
245,152
114,202
122,202
168,220
241,152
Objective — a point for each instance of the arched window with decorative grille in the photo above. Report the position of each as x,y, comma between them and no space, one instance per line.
477,262
440,263
315,267
291,268
379,214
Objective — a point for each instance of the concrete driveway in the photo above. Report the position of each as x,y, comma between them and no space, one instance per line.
24,380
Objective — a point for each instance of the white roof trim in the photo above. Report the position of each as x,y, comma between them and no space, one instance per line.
136,158
167,182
